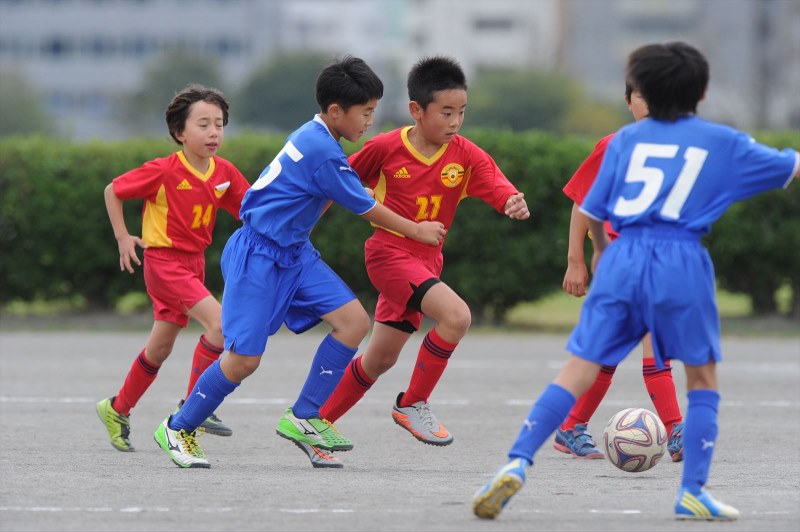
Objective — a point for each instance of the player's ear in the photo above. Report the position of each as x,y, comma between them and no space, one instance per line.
415,109
334,110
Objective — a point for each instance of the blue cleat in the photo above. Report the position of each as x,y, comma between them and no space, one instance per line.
675,445
577,442
702,507
490,500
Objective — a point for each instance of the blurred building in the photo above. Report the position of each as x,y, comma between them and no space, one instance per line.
82,54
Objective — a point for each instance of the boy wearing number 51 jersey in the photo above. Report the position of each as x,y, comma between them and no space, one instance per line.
663,182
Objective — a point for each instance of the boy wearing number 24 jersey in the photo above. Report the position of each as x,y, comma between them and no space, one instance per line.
182,194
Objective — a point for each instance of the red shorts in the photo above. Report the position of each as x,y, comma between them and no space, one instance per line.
402,270
175,282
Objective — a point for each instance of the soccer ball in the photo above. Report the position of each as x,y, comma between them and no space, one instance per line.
635,439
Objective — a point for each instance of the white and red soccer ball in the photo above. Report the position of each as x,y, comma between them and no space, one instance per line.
635,439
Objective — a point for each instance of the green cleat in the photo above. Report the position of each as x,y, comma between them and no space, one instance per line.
181,446
314,431
117,425
212,424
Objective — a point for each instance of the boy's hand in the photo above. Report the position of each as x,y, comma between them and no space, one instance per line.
576,279
430,233
127,252
516,208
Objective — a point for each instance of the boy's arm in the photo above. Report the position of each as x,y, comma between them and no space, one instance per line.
516,207
426,232
127,243
599,239
577,276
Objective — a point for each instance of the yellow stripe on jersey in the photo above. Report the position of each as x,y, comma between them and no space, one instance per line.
194,171
380,195
154,221
425,160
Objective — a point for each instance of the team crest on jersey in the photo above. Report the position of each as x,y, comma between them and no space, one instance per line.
452,175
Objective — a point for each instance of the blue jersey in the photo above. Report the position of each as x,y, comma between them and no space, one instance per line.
289,196
682,174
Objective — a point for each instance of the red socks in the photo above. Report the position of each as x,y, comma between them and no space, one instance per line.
431,361
205,354
661,387
140,377
590,400
348,392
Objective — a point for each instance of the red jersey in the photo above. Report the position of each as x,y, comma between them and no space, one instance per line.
429,188
181,204
582,180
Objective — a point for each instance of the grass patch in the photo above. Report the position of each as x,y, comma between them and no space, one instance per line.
560,311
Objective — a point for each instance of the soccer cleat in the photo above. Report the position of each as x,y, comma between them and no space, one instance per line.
419,420
117,425
702,507
212,424
577,442
181,446
318,457
314,431
675,445
490,500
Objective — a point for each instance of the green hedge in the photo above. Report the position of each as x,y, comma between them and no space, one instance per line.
56,239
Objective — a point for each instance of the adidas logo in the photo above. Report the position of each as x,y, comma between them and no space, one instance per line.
184,185
402,174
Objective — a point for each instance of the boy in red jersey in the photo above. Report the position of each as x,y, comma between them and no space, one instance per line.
182,193
572,437
421,172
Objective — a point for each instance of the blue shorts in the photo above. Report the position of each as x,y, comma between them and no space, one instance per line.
267,285
661,281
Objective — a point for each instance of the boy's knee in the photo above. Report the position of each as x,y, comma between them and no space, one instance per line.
236,368
458,322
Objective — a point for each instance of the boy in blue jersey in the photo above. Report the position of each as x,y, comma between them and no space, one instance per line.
663,182
274,275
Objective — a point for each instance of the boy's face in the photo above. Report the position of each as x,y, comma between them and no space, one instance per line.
203,133
442,119
354,122
637,106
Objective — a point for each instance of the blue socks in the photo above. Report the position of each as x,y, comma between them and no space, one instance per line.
547,413
699,437
326,371
211,389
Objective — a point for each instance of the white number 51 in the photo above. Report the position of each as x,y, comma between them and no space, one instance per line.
653,178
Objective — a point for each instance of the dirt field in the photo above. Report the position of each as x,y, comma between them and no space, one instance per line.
58,471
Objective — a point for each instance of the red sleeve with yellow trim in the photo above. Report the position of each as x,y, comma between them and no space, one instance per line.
486,180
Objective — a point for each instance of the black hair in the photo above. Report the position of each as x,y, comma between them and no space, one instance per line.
347,81
178,109
432,74
672,78
628,92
